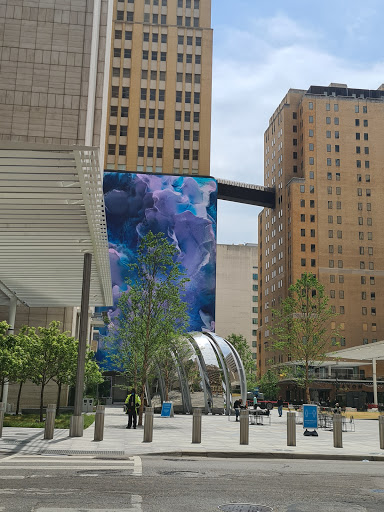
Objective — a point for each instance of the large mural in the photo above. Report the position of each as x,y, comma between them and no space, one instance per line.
182,207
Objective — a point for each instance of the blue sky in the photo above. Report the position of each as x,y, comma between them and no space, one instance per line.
261,49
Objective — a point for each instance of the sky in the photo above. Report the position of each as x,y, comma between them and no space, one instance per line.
262,49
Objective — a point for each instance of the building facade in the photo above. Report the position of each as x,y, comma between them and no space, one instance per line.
237,293
323,153
54,80
160,87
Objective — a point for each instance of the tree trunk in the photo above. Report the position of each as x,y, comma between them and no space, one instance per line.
307,392
18,398
41,402
58,398
2,389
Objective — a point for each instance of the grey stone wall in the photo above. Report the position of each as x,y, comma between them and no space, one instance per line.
45,48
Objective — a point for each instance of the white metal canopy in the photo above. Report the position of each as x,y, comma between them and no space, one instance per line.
51,213
361,353
371,352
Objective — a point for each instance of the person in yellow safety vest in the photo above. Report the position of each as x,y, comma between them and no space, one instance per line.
132,403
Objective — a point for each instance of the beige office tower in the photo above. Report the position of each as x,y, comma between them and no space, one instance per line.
323,153
160,87
237,292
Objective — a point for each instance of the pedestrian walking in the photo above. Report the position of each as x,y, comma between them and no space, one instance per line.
132,403
280,406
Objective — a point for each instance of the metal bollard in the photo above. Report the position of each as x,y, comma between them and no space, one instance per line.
337,431
3,405
148,425
244,426
196,426
381,431
50,416
291,429
99,423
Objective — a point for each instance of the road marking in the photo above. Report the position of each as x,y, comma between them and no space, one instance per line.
15,477
76,463
138,466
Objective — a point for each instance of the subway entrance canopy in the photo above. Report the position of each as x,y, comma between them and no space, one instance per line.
51,213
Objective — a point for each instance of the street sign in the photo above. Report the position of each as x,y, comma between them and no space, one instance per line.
166,410
309,416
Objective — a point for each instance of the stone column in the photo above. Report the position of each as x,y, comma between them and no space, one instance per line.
196,426
291,429
381,431
337,431
148,425
244,426
50,416
99,423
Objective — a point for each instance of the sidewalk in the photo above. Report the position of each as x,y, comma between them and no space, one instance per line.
220,438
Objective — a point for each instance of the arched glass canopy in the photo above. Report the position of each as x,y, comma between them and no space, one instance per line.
205,376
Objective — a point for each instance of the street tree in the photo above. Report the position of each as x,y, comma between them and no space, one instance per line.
66,364
301,327
23,361
244,351
152,311
47,346
269,384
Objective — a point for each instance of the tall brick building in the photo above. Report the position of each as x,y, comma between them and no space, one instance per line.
160,90
324,154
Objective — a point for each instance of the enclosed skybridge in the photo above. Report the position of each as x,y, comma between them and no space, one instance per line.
246,193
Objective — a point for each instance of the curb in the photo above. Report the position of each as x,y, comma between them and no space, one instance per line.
262,455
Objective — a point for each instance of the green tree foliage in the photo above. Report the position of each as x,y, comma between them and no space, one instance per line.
24,363
244,351
152,312
301,327
92,375
269,384
52,352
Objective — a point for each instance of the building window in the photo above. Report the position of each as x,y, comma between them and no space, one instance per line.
111,149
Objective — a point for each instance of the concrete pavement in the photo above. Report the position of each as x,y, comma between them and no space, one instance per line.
220,438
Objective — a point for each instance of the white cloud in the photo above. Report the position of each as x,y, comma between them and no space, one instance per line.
249,84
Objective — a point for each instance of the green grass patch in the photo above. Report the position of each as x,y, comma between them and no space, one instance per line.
33,421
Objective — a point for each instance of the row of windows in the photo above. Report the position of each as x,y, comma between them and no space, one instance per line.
152,114
188,78
180,40
335,108
365,341
154,55
187,116
188,3
187,97
127,54
187,21
188,58
155,37
363,279
116,72
364,311
364,295
123,93
186,152
302,217
330,219
153,75
187,135
152,94
304,262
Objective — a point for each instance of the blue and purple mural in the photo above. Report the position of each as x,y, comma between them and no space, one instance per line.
182,207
